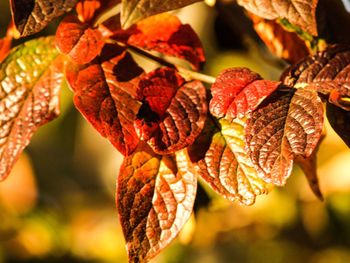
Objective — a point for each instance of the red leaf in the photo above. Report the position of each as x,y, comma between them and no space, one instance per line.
105,93
89,10
155,197
77,40
5,43
238,91
164,33
173,120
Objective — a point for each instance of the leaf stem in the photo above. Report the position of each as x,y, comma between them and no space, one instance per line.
108,14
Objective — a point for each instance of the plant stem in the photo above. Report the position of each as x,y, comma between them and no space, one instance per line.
107,15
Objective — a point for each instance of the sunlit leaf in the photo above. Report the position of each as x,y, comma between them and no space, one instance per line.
31,16
282,43
5,42
165,33
339,119
77,40
90,10
328,72
135,10
155,197
301,13
173,111
105,93
238,91
30,80
287,124
226,165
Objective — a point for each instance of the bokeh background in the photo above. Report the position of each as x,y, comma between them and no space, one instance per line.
58,203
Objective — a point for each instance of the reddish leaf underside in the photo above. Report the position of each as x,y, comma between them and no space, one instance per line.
284,126
301,13
105,93
238,91
173,120
77,40
31,16
328,72
164,33
155,197
30,80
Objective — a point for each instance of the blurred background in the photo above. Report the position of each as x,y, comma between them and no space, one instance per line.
58,203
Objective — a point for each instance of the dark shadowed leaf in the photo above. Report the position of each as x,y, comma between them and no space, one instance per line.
238,91
340,121
284,126
155,197
77,40
328,72
284,44
165,33
30,80
173,111
31,16
105,93
226,165
135,10
301,13
5,42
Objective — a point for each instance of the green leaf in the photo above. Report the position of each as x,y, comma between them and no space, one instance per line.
30,81
136,10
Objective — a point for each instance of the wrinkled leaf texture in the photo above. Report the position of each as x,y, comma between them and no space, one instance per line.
105,93
30,81
301,13
328,72
237,92
136,10
174,109
155,198
31,16
78,40
285,125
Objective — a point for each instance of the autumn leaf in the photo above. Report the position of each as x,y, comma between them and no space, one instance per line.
30,81
238,91
5,42
77,40
90,10
31,16
339,119
173,111
166,34
284,44
155,197
135,10
105,93
285,125
226,165
326,72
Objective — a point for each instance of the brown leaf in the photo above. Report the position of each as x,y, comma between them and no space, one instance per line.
284,44
5,43
155,197
173,112
284,126
77,40
328,72
238,91
301,13
105,93
340,121
30,81
136,10
31,16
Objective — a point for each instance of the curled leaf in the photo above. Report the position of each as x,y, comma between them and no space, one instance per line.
105,93
339,119
165,33
173,112
226,165
155,198
77,40
301,13
238,91
286,125
31,16
136,10
30,80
